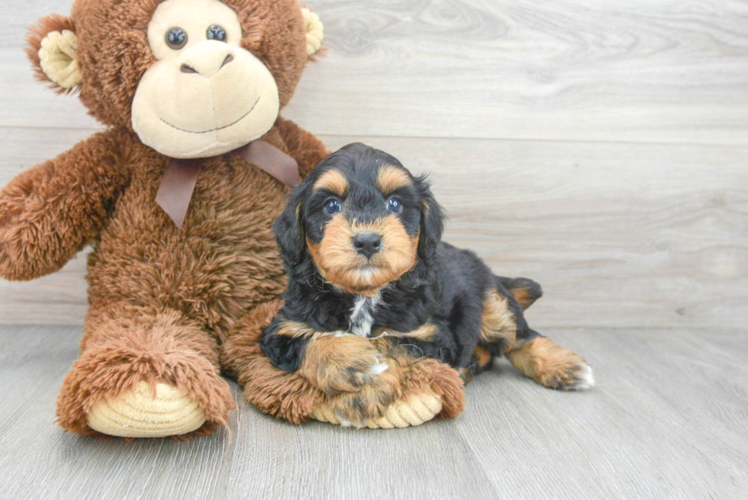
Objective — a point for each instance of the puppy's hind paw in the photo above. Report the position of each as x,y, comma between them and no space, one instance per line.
552,366
583,379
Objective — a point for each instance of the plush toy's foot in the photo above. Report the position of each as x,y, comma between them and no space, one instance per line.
139,413
142,374
407,412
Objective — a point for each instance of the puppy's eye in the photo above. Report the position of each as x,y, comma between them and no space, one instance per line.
333,207
394,205
176,38
216,32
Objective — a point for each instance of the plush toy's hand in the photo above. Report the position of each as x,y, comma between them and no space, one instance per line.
9,210
337,364
51,211
28,239
5,210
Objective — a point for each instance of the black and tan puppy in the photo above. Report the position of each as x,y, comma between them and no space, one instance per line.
361,242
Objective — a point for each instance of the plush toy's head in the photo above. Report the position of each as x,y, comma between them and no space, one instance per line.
193,78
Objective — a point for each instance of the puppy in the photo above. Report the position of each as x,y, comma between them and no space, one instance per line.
361,242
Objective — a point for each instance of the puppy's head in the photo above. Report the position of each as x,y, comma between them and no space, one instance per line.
362,219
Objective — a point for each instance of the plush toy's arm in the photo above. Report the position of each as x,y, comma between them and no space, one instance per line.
51,211
302,145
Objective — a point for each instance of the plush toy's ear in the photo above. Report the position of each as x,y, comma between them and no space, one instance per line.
315,32
432,222
51,46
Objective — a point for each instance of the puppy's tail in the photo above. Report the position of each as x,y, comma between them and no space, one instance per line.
526,291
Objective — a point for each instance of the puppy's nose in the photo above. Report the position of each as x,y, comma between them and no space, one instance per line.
367,244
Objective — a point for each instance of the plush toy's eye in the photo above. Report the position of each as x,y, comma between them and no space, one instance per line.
394,205
333,207
176,38
216,32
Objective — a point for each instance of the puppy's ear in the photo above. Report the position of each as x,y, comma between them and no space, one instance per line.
289,228
432,222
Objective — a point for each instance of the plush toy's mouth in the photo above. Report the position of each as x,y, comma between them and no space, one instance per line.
217,128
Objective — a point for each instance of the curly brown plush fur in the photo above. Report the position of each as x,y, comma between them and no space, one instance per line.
162,300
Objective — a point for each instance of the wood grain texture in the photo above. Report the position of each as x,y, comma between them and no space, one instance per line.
619,235
634,70
628,232
666,420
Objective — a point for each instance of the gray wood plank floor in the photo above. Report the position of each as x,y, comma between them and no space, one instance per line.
600,148
668,419
619,235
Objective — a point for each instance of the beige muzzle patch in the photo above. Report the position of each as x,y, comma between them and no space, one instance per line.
211,99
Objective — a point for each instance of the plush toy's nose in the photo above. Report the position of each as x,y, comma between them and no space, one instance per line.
367,244
208,61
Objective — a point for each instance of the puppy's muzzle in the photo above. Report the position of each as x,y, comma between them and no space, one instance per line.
367,244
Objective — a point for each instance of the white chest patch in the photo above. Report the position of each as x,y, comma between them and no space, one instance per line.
362,318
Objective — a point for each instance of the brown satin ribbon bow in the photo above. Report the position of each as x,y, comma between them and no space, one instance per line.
178,184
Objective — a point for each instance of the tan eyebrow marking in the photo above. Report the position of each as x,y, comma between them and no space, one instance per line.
392,178
333,181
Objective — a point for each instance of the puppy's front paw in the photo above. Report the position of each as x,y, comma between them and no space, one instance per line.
341,364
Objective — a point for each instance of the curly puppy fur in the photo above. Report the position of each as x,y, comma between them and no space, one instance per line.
361,241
